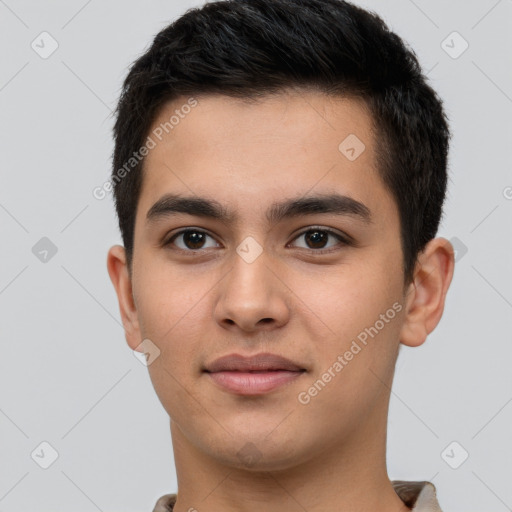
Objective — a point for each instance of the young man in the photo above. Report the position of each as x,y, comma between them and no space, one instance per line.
279,176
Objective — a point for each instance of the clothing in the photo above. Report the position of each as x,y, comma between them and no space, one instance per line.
418,496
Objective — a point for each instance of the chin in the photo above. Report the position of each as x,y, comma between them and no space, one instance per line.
258,453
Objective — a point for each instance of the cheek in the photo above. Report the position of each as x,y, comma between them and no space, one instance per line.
363,308
171,312
165,298
353,298
355,362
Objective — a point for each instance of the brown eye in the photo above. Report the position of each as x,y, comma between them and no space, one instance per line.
190,240
317,239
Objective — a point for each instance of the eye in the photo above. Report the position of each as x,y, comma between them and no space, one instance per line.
317,238
191,240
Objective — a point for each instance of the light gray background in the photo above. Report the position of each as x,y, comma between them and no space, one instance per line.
67,376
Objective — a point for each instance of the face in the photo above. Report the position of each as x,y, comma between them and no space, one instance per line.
317,280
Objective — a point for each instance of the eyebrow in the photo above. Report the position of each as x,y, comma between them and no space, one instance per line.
171,204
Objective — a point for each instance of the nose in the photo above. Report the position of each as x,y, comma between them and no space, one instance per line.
252,297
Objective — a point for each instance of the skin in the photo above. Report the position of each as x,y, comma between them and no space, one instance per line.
328,454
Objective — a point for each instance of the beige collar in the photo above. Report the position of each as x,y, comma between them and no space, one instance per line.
418,496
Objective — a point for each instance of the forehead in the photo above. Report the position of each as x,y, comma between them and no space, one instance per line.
245,152
291,117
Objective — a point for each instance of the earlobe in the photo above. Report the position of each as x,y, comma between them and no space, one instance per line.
425,298
119,275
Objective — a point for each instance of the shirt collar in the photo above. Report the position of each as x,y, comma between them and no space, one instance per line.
418,496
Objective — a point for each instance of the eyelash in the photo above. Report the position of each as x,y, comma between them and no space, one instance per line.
343,241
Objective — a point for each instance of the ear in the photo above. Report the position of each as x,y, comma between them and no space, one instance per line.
425,296
120,277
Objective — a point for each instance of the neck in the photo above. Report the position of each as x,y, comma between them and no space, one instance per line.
348,477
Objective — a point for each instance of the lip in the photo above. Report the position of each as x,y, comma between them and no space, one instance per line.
264,361
253,375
